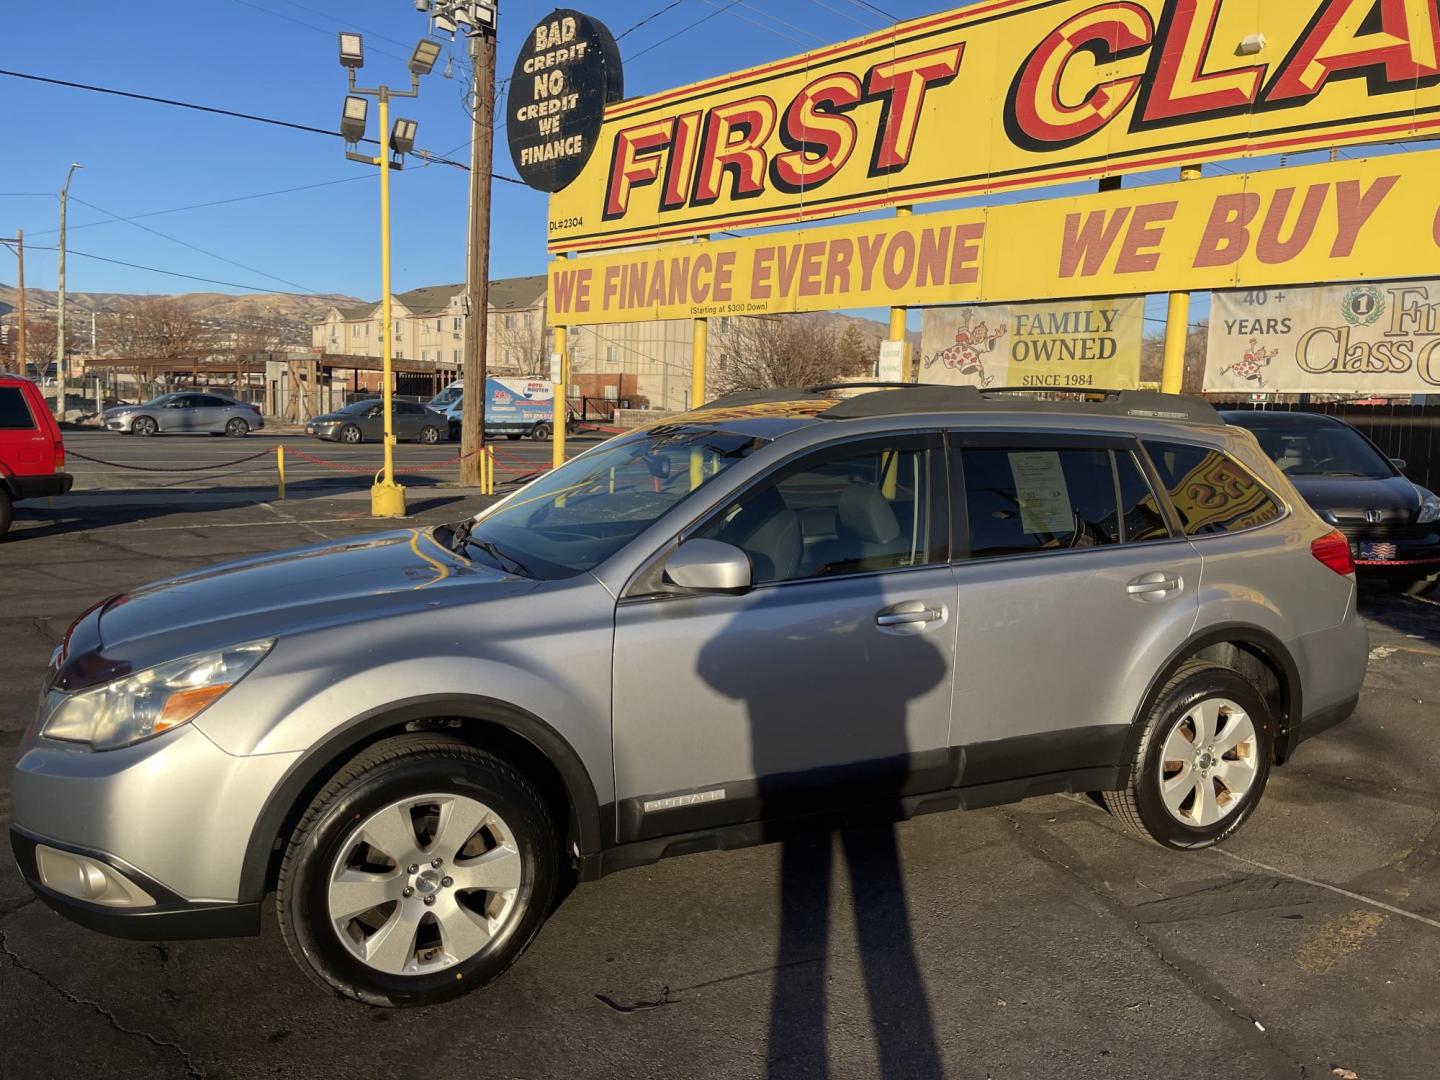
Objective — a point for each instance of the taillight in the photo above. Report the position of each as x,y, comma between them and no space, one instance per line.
59,454
1333,550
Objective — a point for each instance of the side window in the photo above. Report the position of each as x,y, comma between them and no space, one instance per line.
1139,508
208,402
1211,493
14,413
843,511
1021,501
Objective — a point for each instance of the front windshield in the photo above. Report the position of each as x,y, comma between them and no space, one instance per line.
162,399
1328,450
574,518
445,397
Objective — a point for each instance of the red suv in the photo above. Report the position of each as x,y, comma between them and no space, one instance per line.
32,453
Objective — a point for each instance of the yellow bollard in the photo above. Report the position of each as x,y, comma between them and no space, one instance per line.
280,469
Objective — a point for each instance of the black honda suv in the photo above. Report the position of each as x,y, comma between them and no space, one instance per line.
1393,525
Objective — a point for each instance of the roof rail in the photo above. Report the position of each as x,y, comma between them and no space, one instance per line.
1146,404
759,397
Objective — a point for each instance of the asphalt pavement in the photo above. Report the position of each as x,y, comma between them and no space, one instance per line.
1046,941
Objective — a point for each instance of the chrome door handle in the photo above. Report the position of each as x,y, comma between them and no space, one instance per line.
909,613
1155,586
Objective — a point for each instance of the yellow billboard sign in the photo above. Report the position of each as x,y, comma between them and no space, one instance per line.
1341,221
1002,95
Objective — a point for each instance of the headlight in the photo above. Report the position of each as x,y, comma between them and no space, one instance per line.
1429,508
151,701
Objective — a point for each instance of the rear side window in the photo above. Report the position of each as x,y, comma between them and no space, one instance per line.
14,413
1020,501
1211,492
1143,518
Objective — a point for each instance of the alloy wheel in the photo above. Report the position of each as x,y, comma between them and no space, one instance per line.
424,884
1209,763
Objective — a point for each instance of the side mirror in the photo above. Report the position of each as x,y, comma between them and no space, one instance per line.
1398,462
709,566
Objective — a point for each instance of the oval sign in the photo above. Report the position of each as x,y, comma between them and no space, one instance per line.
567,72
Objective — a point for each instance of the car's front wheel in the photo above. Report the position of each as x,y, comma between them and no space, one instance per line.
1203,760
350,434
421,871
6,512
144,425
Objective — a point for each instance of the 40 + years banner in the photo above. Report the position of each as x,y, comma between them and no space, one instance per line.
1002,95
1378,337
1080,343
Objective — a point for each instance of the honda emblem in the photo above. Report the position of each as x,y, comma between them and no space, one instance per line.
1373,516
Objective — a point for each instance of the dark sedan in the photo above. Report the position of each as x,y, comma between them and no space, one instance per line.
364,421
1393,525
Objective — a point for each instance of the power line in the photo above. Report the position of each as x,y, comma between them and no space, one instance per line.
648,18
684,30
292,125
311,26
190,277
193,247
216,202
877,10
730,8
843,14
347,23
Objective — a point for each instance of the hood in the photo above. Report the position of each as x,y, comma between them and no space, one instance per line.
1348,497
294,591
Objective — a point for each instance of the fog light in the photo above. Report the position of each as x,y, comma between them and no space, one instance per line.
87,879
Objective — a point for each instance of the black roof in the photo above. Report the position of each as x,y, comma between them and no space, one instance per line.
1277,418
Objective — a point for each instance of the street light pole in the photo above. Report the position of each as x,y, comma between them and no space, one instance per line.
60,301
387,498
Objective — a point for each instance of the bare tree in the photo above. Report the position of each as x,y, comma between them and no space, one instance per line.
160,328
760,353
1152,359
522,342
39,343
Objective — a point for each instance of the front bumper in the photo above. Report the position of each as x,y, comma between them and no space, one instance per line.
322,431
169,918
40,487
173,817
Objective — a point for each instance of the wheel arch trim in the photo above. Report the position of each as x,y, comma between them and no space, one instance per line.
326,758
1270,647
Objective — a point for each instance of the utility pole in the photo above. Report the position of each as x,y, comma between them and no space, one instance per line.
60,302
19,249
477,270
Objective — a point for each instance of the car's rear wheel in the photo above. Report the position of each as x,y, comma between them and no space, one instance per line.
421,871
351,434
540,432
7,512
237,428
429,434
1203,760
144,425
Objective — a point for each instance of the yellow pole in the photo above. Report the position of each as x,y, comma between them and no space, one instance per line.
897,321
562,388
490,470
1177,324
280,468
387,498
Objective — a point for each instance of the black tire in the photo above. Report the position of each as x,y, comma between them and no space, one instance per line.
540,432
351,434
430,434
390,770
513,436
236,427
1139,805
7,512
143,425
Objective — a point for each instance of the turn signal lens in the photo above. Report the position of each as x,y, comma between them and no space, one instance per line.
1333,550
184,705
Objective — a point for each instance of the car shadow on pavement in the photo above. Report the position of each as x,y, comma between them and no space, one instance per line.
785,724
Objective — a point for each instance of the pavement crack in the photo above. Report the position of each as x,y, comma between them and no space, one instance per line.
191,1068
1190,974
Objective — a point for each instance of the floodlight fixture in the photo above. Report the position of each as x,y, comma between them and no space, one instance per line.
352,50
484,13
402,136
422,60
352,118
442,25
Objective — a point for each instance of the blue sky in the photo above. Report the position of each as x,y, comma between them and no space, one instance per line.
277,58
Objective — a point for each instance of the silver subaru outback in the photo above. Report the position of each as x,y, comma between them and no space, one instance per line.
779,611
